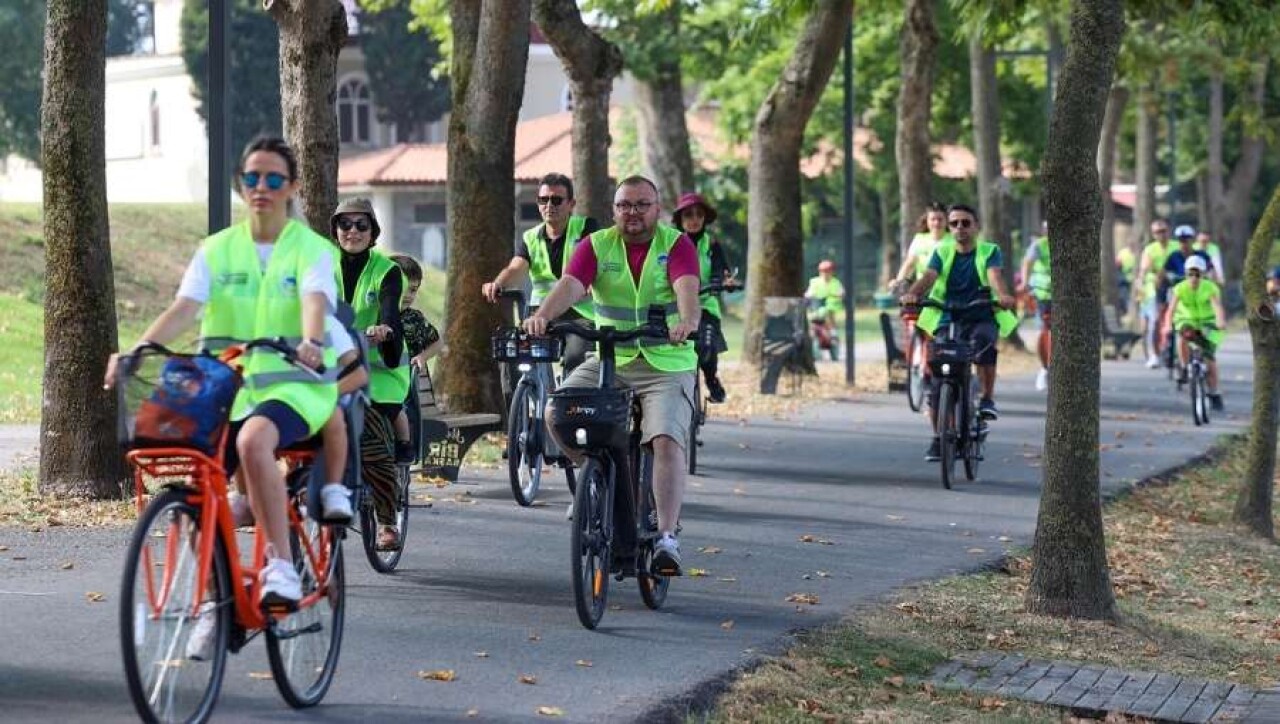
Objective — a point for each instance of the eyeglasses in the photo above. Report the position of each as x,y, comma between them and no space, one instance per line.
960,223
626,207
552,201
346,224
1193,274
275,181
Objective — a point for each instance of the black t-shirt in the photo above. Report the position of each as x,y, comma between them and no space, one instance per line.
555,247
388,303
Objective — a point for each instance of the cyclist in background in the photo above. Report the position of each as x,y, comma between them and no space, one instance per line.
1149,274
692,216
932,229
1038,280
829,292
1196,305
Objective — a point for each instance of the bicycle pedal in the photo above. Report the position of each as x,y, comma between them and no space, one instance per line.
273,606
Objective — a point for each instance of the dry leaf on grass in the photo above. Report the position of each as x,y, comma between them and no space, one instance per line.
883,662
438,675
550,711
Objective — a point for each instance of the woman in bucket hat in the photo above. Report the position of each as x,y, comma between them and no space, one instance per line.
693,215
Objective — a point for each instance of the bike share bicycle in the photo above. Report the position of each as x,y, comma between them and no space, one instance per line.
184,569
705,341
529,447
614,514
962,433
1196,375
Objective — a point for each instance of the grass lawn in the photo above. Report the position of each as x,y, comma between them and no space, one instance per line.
1195,597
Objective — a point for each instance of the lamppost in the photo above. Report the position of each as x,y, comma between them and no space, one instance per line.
219,117
848,207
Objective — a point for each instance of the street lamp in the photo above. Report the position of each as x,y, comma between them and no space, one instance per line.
848,207
219,117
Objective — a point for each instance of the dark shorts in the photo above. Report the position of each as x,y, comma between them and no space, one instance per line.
288,422
1044,312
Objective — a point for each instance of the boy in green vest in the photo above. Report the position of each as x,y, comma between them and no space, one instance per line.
542,253
965,269
1195,305
629,267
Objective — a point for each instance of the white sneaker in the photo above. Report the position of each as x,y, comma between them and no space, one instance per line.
241,513
335,503
666,556
1153,362
1042,379
280,584
200,642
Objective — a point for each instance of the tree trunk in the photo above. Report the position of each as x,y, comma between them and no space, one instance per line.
1117,99
312,33
890,256
1234,218
490,53
919,53
1253,503
79,454
591,62
1069,574
775,239
1145,166
986,148
1215,188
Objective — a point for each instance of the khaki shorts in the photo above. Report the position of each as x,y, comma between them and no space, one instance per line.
665,397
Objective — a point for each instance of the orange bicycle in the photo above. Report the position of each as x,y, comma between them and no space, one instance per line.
187,597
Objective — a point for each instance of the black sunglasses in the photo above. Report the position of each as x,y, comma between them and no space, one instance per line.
960,223
552,200
347,224
251,179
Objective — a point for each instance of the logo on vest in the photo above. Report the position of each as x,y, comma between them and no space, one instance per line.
289,285
610,267
662,259
370,297
232,278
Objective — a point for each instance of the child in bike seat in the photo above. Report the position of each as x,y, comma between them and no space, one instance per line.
421,338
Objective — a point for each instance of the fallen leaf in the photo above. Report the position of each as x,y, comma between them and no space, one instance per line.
698,572
883,662
709,550
95,596
825,542
260,675
809,598
3,549
823,574
727,625
535,637
896,517
1004,539
438,675
67,566
806,538
529,679
739,491
727,579
19,558
482,654
583,663
550,711
895,681
473,713
976,550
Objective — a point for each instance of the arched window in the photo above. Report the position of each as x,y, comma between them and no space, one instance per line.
355,108
154,119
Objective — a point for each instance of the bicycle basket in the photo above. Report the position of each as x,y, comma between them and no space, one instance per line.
953,352
601,415
510,344
176,401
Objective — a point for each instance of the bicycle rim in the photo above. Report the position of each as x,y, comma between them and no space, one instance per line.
303,646
1198,409
915,372
946,436
653,589
973,451
158,614
385,561
589,546
524,452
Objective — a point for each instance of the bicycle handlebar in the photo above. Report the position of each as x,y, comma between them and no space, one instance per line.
608,334
275,344
975,304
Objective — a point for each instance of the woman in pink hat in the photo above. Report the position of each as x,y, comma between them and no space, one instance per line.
692,216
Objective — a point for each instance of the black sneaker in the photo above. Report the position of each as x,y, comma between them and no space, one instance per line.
987,409
404,452
1215,402
715,390
935,451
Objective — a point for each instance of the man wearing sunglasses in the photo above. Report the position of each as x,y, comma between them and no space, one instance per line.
965,269
542,252
1195,308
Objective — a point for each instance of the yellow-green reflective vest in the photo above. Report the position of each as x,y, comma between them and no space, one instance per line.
830,292
1127,262
541,278
623,304
1157,253
1041,282
1195,306
386,384
279,314
710,302
930,317
924,244
235,274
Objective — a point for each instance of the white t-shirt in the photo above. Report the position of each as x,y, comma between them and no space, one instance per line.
197,280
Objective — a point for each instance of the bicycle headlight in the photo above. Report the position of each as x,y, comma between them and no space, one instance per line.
580,437
946,368
524,366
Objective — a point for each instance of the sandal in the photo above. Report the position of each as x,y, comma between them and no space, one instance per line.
388,539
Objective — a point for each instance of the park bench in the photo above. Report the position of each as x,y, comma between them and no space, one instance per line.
444,438
784,344
1114,334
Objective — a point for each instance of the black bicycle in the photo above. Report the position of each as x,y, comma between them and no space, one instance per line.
962,433
1195,375
614,514
704,343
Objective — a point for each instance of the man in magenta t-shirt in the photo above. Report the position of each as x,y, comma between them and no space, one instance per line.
665,396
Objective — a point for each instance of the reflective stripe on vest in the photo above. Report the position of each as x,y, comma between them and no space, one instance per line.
622,303
931,317
1041,281
710,302
541,277
386,384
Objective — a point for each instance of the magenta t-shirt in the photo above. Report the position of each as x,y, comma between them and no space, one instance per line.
681,262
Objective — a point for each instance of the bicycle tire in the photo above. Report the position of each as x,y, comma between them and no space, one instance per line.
589,548
385,561
303,647
973,451
1199,408
915,371
147,689
946,435
653,589
524,448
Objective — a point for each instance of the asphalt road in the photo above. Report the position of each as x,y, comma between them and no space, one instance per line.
487,576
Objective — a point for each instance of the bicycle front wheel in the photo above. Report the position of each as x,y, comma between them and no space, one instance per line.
915,371
174,639
653,589
947,434
524,446
589,543
303,647
1199,400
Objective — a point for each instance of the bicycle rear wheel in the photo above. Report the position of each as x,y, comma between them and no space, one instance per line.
695,426
589,543
385,560
947,439
915,371
524,446
303,647
158,614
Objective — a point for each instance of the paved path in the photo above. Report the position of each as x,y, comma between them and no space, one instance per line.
488,576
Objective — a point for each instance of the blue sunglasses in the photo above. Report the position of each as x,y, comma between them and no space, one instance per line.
275,181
